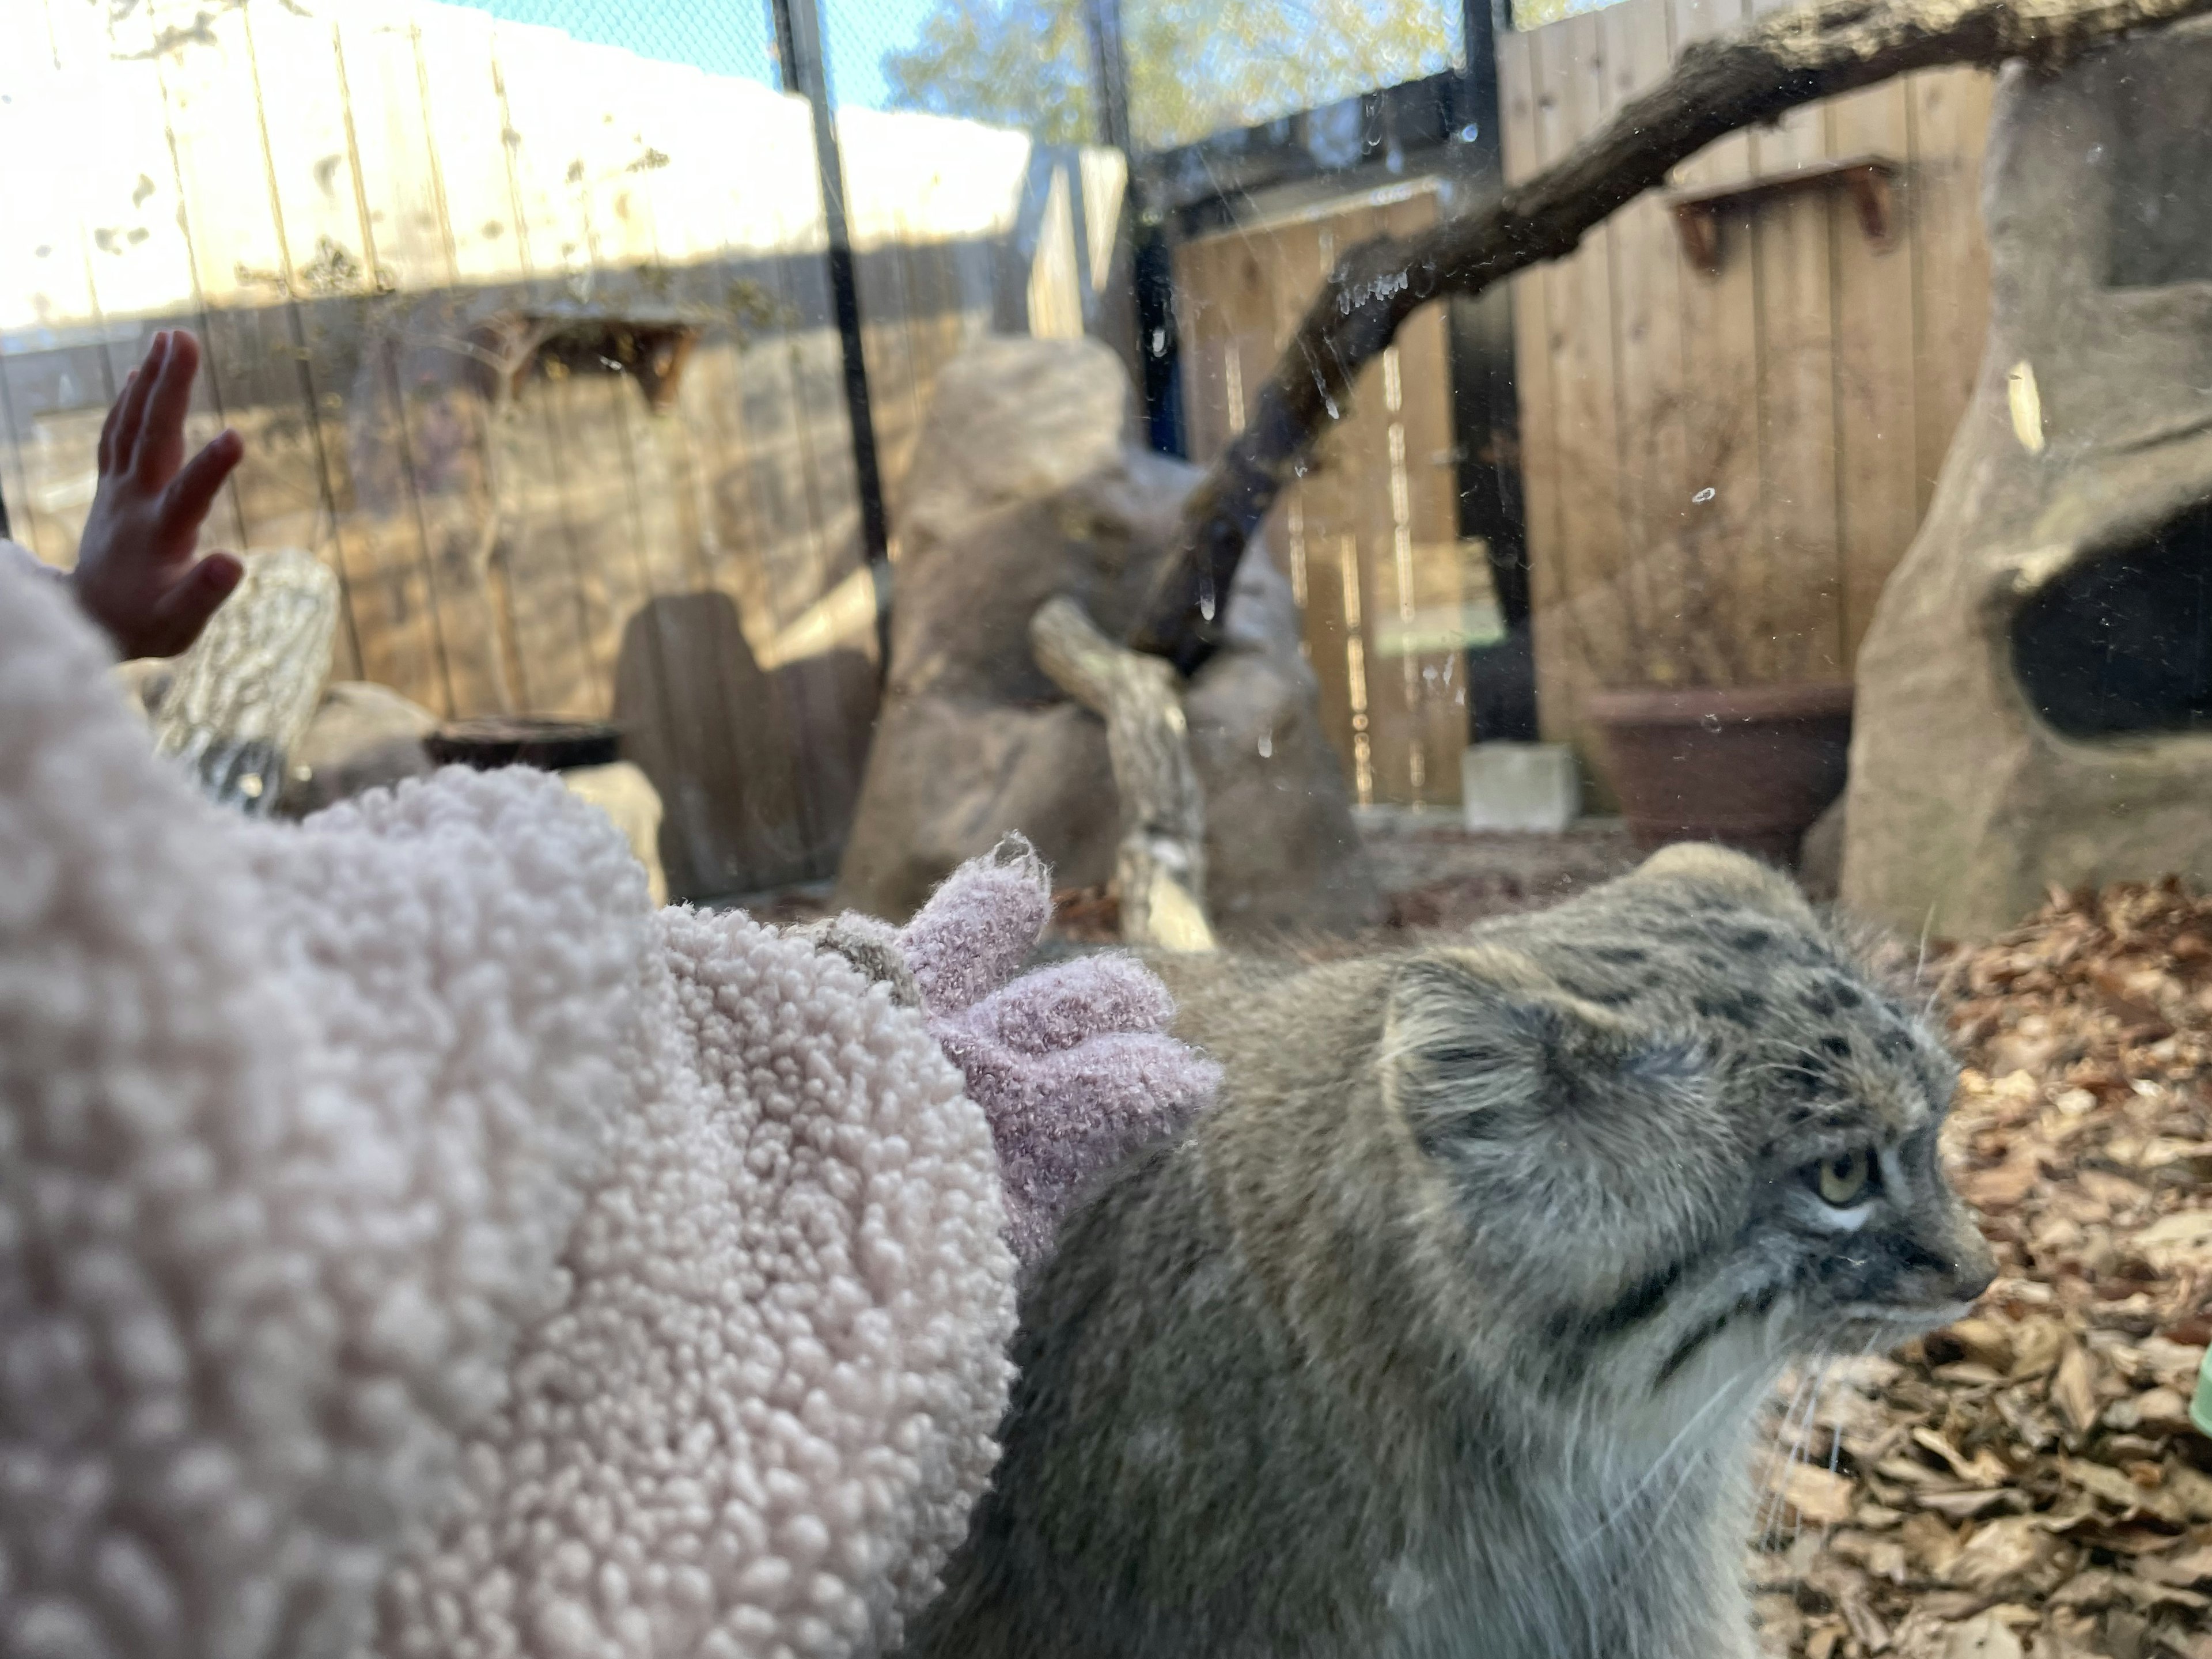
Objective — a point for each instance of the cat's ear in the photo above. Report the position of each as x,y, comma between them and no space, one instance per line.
1481,1045
1710,868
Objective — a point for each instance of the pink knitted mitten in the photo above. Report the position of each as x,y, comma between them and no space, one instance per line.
1071,1064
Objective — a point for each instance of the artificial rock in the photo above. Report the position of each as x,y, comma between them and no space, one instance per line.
1025,485
2034,695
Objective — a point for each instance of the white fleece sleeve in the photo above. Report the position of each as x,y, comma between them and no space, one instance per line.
759,1424
293,1124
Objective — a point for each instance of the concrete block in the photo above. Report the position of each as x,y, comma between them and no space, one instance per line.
1520,786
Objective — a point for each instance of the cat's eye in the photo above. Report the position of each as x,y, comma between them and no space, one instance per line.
1844,1179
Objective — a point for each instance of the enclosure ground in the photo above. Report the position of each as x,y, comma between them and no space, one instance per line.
2028,1482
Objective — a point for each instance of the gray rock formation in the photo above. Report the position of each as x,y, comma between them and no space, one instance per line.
2035,693
1026,485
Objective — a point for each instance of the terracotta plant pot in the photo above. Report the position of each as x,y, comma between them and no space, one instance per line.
1751,766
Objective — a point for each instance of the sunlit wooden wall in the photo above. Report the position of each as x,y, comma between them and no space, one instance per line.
1370,539
353,203
1811,385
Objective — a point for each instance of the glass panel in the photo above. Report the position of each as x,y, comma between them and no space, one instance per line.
1144,428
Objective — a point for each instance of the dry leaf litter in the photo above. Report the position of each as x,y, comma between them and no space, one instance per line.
2026,1484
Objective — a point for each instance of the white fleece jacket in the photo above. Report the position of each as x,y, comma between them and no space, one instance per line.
410,1242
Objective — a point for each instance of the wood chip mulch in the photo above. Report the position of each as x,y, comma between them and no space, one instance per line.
2028,1482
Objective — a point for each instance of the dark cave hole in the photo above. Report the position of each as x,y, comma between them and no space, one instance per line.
2122,643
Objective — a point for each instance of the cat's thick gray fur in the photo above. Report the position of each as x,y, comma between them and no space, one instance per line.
1442,1332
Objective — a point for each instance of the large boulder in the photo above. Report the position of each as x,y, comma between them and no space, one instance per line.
1025,485
2035,690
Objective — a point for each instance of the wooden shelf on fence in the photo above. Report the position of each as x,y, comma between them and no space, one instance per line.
1697,212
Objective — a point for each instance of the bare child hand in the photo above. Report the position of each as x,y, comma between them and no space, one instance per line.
136,574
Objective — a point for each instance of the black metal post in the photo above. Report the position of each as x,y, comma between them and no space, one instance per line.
1110,73
807,71
1151,278
1501,677
1481,22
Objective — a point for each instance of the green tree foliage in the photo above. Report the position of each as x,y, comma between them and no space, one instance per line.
1013,62
1195,66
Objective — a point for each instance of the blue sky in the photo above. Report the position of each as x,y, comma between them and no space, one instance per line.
735,37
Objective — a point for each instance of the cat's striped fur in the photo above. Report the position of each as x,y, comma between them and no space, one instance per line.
1441,1333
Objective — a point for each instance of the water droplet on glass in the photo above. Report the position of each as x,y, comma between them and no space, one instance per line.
1705,494
1469,133
1159,343
1266,745
1329,403
1710,722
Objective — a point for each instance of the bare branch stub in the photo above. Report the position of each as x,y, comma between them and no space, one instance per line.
1159,867
1717,87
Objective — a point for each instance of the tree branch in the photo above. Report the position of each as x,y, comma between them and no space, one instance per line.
1717,87
1160,865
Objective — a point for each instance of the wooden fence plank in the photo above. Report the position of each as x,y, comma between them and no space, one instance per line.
1424,550
24,62
563,650
1328,503
300,91
44,282
1877,503
394,163
1719,393
1361,496
1580,302
249,330
1202,339
1653,458
384,530
442,408
1793,568
461,103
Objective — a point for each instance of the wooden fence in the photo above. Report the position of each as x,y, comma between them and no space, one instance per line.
1369,537
1720,467
531,342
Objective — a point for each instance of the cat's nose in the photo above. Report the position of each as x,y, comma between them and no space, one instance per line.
1972,1266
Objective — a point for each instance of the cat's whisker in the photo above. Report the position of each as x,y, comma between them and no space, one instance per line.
1804,1438
1769,1504
1690,1463
1624,1509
